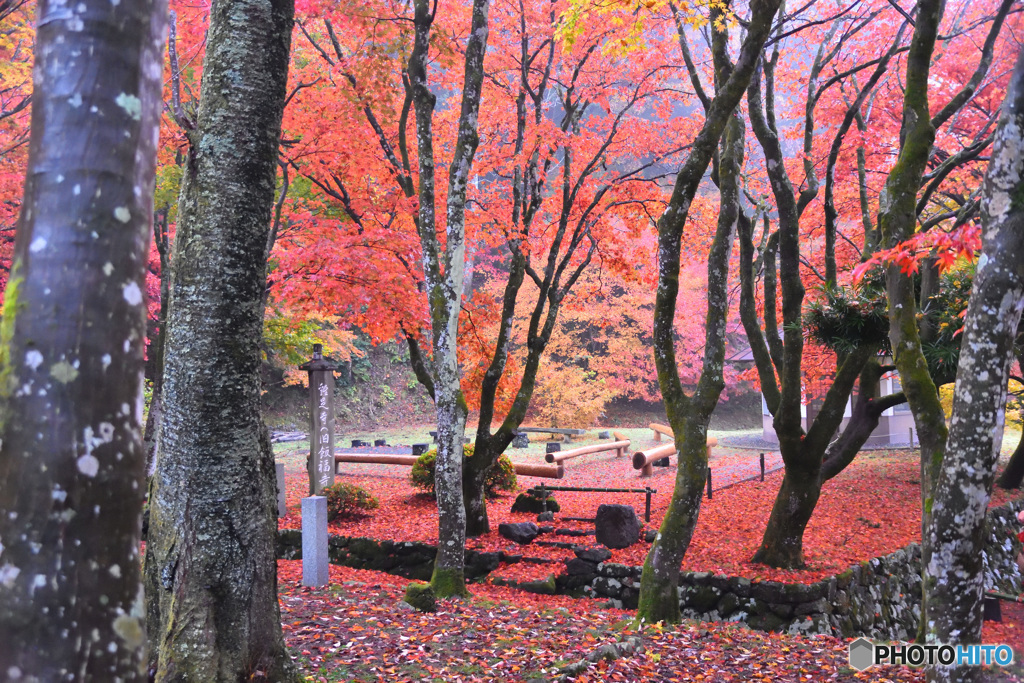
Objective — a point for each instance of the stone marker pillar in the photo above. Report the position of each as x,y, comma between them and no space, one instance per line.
320,464
314,542
282,508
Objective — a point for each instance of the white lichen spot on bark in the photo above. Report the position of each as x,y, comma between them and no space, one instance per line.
122,214
33,359
38,244
131,104
63,372
132,294
88,465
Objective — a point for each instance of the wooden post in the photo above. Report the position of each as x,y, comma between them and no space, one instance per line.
320,464
647,504
762,467
709,483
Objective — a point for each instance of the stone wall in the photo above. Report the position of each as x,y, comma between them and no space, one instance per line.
880,598
410,559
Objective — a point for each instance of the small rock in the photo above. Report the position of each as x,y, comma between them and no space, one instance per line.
595,555
604,435
421,596
545,529
546,516
617,526
650,535
578,567
519,532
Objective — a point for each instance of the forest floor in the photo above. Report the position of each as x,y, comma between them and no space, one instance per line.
358,630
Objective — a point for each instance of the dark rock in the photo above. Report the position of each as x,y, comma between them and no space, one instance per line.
552,447
662,462
377,443
617,526
604,435
519,532
520,441
545,587
595,555
546,529
546,516
573,532
578,567
528,502
650,535
614,569
421,596
766,622
419,448
702,598
728,604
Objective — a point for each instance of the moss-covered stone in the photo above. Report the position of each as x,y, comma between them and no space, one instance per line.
421,596
545,587
533,503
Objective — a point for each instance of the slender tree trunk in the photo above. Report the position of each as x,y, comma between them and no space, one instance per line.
72,464
474,488
689,416
1013,476
211,570
150,435
444,284
953,577
897,219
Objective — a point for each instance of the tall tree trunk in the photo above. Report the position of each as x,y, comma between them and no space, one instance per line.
1013,475
953,577
72,464
150,435
897,220
211,570
689,415
443,270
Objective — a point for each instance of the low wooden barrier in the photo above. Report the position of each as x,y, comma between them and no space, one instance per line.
618,446
522,469
567,433
660,430
619,436
644,460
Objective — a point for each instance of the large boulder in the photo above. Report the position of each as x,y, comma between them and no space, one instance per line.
617,526
520,532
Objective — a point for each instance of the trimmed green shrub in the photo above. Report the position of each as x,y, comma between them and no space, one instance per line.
348,500
502,476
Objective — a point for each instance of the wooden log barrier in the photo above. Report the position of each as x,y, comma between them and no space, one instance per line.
617,446
547,471
522,469
644,460
660,430
619,436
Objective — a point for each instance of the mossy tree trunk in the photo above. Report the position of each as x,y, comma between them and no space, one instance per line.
1013,475
689,415
444,269
779,361
211,569
954,577
72,462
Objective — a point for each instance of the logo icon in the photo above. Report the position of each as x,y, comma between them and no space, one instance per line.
861,654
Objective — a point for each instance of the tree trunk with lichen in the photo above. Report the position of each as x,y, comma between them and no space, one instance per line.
72,463
1013,475
211,567
954,577
689,415
443,271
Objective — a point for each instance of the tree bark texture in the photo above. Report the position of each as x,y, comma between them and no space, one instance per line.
211,570
689,415
897,218
72,463
1013,475
954,580
444,269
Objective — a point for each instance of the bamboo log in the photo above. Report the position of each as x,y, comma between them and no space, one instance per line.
547,471
617,446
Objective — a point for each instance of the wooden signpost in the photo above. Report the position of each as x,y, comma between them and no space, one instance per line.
320,464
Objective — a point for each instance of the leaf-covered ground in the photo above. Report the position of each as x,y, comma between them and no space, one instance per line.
358,630
871,509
